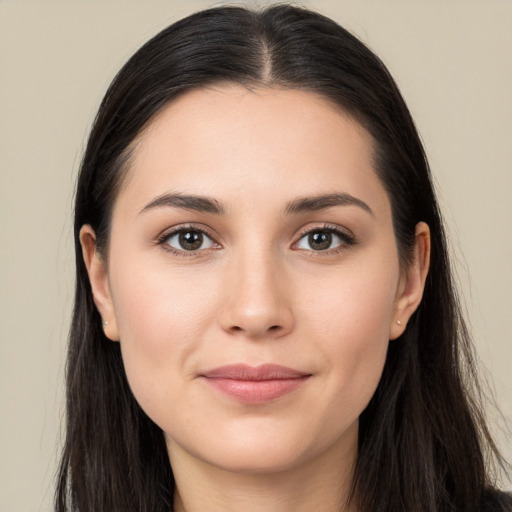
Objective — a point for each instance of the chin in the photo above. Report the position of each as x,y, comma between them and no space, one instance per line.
258,459
263,448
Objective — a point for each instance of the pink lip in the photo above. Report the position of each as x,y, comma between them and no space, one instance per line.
255,385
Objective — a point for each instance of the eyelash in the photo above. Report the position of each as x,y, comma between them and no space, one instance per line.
182,229
347,239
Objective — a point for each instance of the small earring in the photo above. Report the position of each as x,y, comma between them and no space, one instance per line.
105,323
398,322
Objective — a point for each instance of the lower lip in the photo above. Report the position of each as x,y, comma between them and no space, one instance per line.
256,391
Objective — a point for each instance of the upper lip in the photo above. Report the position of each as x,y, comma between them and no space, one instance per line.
254,373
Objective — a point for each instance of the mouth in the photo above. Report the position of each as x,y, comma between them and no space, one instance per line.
254,385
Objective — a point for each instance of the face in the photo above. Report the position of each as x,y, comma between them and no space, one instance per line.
253,278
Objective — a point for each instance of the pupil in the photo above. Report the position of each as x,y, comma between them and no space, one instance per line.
320,240
191,240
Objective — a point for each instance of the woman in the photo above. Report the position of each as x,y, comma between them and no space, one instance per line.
264,316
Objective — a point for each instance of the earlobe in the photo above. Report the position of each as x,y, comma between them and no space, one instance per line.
412,282
98,277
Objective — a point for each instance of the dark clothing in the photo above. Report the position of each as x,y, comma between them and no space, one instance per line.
497,502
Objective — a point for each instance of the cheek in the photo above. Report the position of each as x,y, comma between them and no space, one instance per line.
350,320
354,303
162,319
160,308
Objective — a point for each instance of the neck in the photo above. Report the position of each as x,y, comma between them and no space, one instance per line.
323,483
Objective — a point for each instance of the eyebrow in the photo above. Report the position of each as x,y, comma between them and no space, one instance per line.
323,201
196,203
301,205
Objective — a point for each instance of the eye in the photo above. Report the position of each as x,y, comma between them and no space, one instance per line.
188,240
324,239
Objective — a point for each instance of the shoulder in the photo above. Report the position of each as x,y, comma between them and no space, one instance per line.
497,501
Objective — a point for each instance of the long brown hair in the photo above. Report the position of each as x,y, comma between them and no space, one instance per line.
422,438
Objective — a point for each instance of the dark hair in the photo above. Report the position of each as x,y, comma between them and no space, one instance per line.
422,438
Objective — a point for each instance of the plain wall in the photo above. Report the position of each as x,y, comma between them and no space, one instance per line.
453,62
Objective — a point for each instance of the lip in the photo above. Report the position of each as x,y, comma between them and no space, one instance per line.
254,385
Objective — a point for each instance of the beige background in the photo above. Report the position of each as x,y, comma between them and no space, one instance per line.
453,62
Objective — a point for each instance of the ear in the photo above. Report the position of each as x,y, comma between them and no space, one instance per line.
412,282
98,277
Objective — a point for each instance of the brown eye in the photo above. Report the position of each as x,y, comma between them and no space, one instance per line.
320,240
189,240
324,239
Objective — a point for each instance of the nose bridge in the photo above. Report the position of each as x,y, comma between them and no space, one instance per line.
256,301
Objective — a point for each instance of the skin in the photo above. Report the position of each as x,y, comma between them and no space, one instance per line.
258,293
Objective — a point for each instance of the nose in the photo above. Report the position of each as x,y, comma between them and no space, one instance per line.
256,299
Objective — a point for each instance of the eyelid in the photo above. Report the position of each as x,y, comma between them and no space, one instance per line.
162,238
346,236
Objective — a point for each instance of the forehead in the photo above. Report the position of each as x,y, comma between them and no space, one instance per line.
233,143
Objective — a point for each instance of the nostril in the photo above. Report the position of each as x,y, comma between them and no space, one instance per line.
237,328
